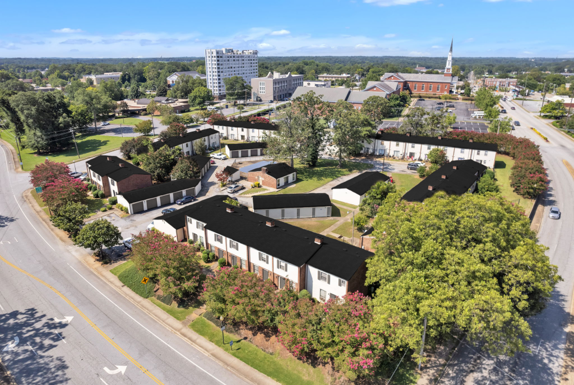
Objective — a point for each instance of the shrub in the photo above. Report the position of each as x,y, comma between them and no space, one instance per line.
205,257
93,188
361,221
211,256
221,262
190,241
101,195
432,169
422,171
90,186
113,200
304,294
126,210
120,207
47,172
109,207
103,209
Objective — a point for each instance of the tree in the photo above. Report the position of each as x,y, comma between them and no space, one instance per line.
240,108
70,217
312,110
81,116
64,190
503,126
98,234
491,114
16,86
375,197
285,143
200,96
469,263
437,156
554,110
184,86
200,147
376,108
487,184
135,92
123,108
185,168
467,91
47,172
161,90
44,116
98,104
176,129
236,88
214,117
352,130
112,90
135,146
485,99
160,163
144,127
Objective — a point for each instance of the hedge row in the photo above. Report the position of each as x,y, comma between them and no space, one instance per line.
528,175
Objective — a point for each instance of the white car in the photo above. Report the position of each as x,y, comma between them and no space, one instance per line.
150,226
105,124
233,188
219,156
128,243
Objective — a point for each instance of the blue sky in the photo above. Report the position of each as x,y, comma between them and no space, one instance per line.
279,28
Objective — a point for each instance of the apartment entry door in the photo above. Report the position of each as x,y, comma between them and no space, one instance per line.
281,282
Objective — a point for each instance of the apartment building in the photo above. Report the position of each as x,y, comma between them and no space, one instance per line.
171,79
317,83
275,86
273,175
334,77
107,76
115,176
407,146
495,82
293,258
227,62
247,131
186,141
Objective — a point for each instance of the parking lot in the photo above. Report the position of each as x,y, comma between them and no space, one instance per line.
466,126
461,110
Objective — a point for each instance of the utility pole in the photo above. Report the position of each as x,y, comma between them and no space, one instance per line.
423,343
19,155
77,151
543,97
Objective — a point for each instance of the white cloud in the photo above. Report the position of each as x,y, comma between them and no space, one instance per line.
389,35
418,53
389,3
67,30
280,32
364,46
265,46
441,5
436,46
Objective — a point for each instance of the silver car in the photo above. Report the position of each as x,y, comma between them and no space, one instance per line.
554,213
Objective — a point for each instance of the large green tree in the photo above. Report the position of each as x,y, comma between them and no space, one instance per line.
184,86
350,132
160,163
98,234
466,263
313,110
200,96
70,217
185,168
236,88
286,142
375,196
112,90
484,98
377,108
502,126
99,104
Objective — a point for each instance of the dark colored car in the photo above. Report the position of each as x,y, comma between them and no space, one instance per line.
512,108
440,104
516,123
185,199
421,100
75,174
503,111
167,211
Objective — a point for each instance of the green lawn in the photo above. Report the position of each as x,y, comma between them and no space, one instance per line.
309,179
315,225
254,191
40,202
345,229
94,204
131,277
405,182
179,313
345,204
88,146
126,121
502,167
288,371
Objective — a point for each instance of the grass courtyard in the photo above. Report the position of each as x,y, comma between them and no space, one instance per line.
309,179
88,147
313,224
126,121
502,170
405,182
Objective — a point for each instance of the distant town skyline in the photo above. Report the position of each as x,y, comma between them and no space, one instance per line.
489,28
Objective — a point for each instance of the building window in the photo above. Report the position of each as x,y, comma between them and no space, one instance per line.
397,144
429,147
281,265
112,182
477,152
422,87
256,269
322,295
263,257
462,150
218,238
415,86
438,88
486,153
199,225
342,282
261,87
412,145
332,296
323,277
244,264
430,87
233,245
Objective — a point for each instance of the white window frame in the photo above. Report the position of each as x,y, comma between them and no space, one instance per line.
233,245
263,257
342,282
218,238
199,225
322,295
322,276
281,265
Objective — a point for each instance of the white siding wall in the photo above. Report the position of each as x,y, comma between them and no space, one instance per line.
251,134
255,260
165,228
314,286
211,240
192,229
241,252
347,196
113,187
122,201
291,274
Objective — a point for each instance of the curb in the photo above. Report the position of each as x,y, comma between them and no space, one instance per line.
15,160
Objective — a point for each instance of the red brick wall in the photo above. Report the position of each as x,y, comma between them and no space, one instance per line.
133,182
357,282
444,88
265,179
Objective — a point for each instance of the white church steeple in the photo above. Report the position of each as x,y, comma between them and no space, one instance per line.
448,69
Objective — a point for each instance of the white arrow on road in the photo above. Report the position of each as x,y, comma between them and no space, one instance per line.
120,369
11,345
66,319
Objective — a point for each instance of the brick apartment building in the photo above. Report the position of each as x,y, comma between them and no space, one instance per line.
115,176
273,175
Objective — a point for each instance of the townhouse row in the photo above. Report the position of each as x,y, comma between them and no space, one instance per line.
412,147
246,131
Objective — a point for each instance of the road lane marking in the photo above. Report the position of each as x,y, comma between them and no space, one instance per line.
103,381
62,338
146,329
65,320
120,369
16,239
93,325
1,308
32,348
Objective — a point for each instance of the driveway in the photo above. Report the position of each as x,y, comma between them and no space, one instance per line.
462,110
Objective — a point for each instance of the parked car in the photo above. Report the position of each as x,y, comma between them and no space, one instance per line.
211,108
234,188
185,199
512,108
105,124
450,105
440,104
412,166
167,211
219,155
75,174
128,243
421,100
516,123
554,213
503,111
83,177
211,161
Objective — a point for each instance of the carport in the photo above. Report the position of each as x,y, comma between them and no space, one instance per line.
158,195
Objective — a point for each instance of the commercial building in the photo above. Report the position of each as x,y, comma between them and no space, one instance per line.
115,176
107,76
353,190
225,63
275,86
273,175
138,106
454,178
158,195
186,141
291,257
317,83
293,206
356,98
171,79
407,146
334,77
239,130
498,83
330,95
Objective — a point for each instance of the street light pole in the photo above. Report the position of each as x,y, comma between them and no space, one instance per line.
353,226
543,97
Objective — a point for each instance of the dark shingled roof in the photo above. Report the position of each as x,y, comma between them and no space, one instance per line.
246,146
277,170
230,170
201,160
284,241
175,219
188,137
290,201
436,141
107,165
363,182
159,189
460,176
257,126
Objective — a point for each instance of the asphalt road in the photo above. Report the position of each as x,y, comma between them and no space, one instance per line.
107,329
544,364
